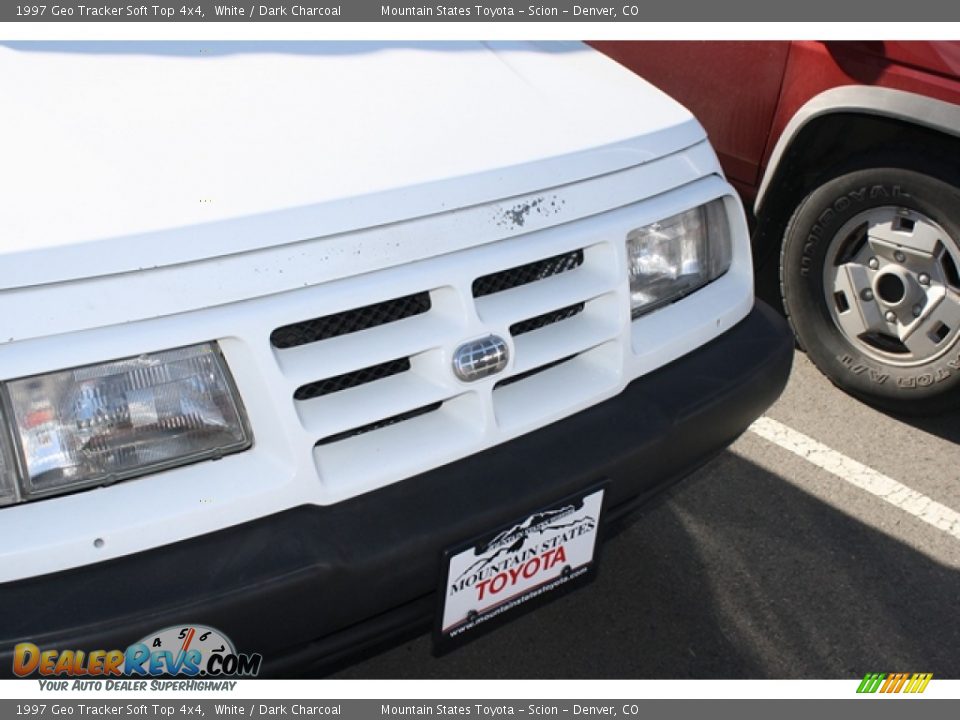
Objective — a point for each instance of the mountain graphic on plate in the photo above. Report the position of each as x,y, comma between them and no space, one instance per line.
513,540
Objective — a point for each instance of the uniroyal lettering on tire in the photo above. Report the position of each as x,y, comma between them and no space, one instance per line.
870,278
840,205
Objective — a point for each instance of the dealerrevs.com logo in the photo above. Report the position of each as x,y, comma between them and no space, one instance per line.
192,651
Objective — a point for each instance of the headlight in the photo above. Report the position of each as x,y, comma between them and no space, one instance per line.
102,423
8,468
674,257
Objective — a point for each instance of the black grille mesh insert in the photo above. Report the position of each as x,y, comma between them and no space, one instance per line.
349,321
352,379
526,274
386,422
554,316
530,373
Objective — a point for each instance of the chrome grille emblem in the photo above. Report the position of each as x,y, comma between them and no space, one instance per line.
480,358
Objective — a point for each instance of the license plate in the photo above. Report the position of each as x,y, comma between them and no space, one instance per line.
515,568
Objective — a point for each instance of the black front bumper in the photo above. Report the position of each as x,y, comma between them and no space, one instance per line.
314,583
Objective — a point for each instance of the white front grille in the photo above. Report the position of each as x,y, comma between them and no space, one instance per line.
375,387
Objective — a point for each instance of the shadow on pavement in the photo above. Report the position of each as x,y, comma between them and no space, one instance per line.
946,426
735,574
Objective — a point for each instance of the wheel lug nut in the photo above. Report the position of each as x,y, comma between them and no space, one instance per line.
917,310
873,263
924,279
867,295
899,256
891,316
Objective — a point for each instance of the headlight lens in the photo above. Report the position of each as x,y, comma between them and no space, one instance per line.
8,469
674,257
102,423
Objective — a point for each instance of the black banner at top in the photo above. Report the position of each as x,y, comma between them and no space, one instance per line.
478,11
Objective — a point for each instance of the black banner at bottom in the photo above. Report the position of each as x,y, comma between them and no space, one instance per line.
871,707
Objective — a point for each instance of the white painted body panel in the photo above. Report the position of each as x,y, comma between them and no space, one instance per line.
86,288
115,149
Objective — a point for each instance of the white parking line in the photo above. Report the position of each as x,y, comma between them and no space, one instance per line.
859,475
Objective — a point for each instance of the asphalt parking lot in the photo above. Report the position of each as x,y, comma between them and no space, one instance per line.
783,558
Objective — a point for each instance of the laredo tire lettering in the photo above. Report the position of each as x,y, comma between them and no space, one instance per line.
858,368
878,377
923,380
848,362
904,381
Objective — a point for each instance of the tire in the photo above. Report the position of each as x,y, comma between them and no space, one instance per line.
865,258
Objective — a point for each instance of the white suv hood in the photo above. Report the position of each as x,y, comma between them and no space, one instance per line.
118,156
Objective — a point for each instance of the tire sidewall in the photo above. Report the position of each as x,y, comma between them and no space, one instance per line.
809,235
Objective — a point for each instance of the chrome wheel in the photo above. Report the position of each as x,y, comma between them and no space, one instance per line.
892,285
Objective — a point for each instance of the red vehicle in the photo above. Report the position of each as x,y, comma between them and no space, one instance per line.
849,154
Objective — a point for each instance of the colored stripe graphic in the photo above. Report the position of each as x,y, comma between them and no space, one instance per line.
923,679
871,681
894,683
